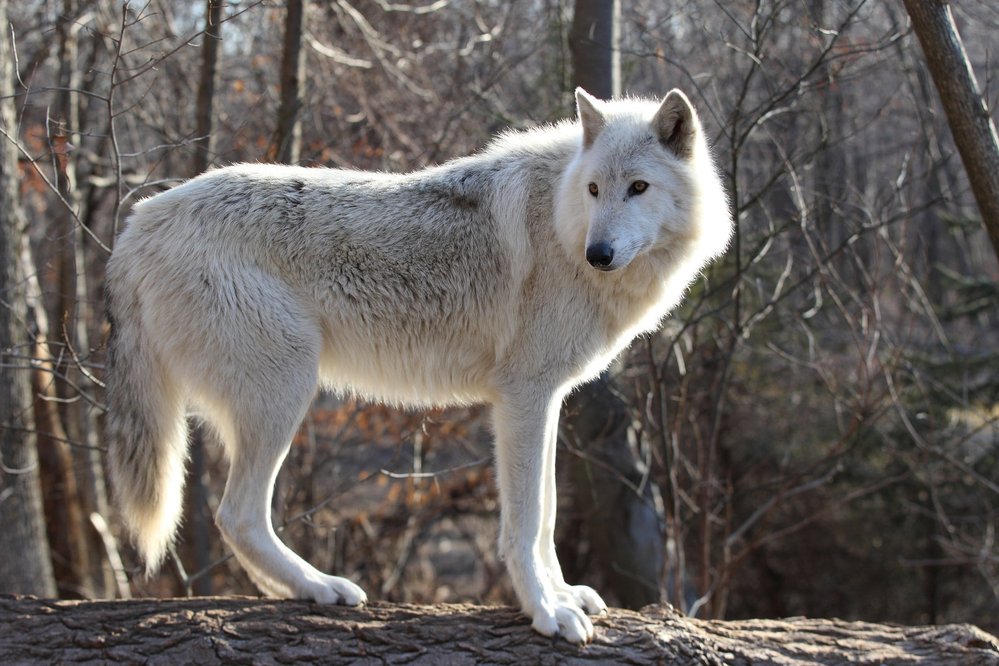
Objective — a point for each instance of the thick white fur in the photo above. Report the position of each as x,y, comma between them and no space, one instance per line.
240,291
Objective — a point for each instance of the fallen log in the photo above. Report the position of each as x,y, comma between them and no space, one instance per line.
209,630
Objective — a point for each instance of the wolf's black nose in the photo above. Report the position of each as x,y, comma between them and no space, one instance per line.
600,255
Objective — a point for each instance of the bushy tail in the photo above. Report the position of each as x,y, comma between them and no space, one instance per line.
146,435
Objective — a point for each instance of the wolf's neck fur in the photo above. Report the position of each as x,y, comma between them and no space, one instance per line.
635,299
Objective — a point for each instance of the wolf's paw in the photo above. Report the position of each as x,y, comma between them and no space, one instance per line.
583,596
336,590
565,620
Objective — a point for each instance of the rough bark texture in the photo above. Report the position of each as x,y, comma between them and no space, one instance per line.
204,146
85,492
254,631
196,525
24,551
594,41
288,136
612,507
967,113
621,526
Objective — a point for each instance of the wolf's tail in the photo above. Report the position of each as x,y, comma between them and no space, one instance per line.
146,434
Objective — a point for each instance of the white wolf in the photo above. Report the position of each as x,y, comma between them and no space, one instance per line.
507,277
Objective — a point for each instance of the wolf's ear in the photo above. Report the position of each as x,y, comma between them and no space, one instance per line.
589,117
675,125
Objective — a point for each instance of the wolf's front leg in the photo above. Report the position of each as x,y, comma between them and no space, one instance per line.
582,595
525,423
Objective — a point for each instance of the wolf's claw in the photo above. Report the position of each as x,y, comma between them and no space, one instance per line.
584,597
565,620
340,591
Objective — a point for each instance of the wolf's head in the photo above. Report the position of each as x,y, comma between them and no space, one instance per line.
642,181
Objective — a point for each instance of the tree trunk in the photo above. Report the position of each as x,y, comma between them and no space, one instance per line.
25,564
967,112
197,527
288,136
80,417
594,41
622,527
204,147
253,631
612,509
66,524
60,415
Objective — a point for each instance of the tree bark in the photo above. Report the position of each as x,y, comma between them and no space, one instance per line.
73,491
25,564
623,528
210,630
65,522
204,146
198,524
967,112
594,41
288,136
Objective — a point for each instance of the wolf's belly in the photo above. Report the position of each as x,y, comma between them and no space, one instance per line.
403,371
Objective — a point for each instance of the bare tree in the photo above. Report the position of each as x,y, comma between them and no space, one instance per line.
288,135
74,298
204,146
198,526
967,111
24,551
594,41
615,505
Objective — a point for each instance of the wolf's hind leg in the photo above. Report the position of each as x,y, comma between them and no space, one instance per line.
245,522
263,390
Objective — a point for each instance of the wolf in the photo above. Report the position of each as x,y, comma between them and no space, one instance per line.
507,277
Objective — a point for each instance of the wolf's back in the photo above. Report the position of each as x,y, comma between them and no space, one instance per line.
145,426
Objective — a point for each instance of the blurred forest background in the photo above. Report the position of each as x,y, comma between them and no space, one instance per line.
814,432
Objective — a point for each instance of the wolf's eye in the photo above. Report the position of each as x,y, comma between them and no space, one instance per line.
594,190
638,187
